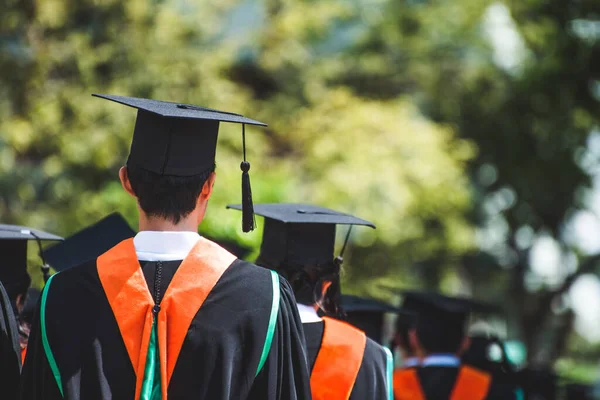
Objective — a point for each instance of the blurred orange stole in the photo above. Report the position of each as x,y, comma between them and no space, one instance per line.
471,384
338,361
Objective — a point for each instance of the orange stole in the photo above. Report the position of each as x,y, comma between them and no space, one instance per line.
338,361
471,384
131,303
407,385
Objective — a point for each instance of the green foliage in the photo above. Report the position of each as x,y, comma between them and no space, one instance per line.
398,111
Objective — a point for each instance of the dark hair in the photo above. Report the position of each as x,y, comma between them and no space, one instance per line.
403,329
170,197
307,283
439,336
16,288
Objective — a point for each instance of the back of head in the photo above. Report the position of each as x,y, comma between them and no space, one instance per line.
404,324
441,321
167,197
440,335
307,282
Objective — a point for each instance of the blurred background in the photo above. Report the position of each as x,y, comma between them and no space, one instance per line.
468,131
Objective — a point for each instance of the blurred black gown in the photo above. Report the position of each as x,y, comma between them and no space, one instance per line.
371,381
10,350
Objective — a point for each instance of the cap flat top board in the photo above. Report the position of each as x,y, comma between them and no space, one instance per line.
291,213
179,110
415,300
16,232
89,243
299,234
352,303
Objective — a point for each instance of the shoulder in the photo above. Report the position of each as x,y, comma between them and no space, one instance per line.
75,278
74,286
375,354
243,281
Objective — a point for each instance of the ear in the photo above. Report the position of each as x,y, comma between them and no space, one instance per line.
325,287
464,346
20,302
207,189
415,344
124,177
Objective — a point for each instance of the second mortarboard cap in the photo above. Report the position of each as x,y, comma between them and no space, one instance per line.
434,306
180,139
367,315
89,243
13,247
300,233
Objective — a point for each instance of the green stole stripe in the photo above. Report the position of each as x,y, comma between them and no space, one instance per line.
389,372
45,343
272,321
151,386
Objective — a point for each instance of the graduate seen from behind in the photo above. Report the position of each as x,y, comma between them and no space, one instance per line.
298,242
168,314
439,338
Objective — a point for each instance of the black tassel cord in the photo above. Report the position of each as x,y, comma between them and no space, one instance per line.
248,220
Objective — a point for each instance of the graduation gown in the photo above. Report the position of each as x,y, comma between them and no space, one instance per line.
375,367
86,347
440,382
10,350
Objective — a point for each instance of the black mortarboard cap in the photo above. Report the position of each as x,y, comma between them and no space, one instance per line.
13,247
300,233
434,306
367,315
89,243
181,139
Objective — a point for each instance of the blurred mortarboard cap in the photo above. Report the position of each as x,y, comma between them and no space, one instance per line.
435,306
231,246
89,243
13,247
300,233
367,314
181,139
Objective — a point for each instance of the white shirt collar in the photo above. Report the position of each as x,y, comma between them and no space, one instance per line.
411,362
441,360
308,314
164,245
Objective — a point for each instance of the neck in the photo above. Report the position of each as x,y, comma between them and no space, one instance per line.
147,223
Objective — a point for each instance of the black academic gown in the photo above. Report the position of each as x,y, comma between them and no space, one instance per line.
10,350
371,381
218,358
437,382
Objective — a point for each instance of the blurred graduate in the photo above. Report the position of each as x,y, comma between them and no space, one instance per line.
14,287
298,242
168,314
439,338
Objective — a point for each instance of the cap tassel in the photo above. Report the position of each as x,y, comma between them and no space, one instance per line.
45,268
248,220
